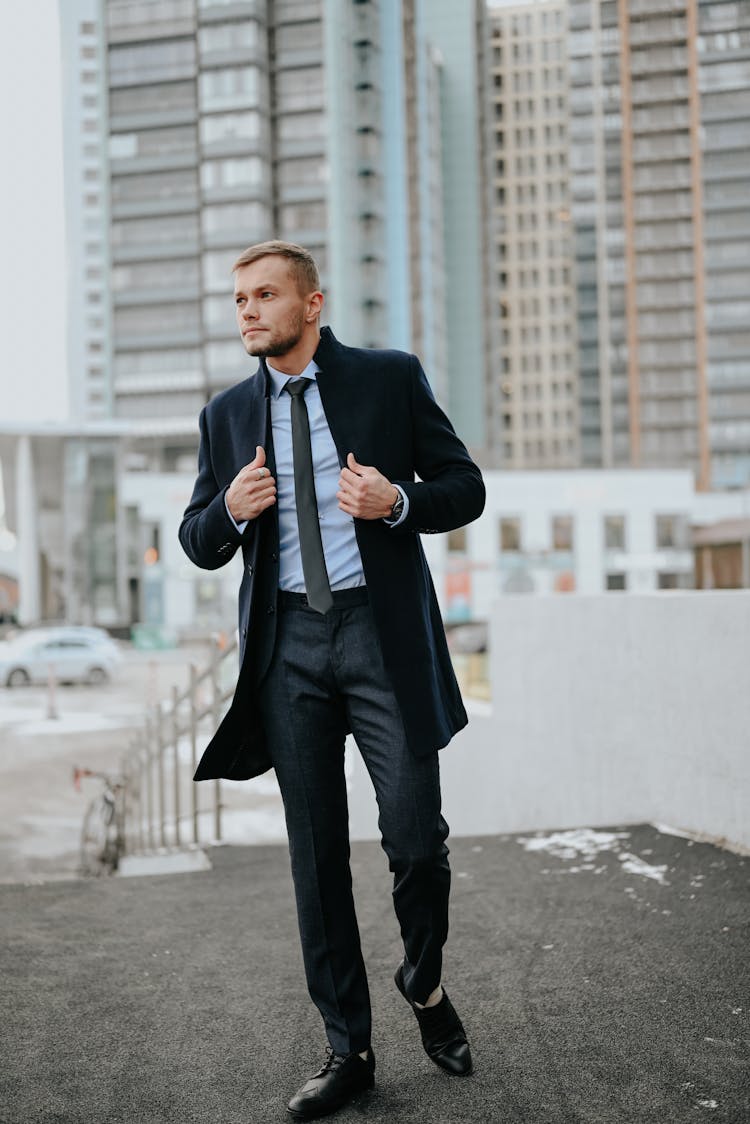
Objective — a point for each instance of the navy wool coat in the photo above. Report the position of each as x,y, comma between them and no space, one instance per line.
379,406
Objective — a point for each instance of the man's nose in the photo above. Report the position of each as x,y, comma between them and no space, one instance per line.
249,312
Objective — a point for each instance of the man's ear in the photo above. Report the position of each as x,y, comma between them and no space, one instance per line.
314,306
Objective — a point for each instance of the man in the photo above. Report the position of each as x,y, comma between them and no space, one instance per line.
309,466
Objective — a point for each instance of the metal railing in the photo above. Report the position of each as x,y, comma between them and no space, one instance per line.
163,807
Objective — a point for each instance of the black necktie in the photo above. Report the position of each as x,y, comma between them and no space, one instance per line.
310,542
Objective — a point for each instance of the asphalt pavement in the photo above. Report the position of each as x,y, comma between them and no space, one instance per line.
602,978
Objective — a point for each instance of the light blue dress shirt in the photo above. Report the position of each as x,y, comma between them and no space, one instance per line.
343,560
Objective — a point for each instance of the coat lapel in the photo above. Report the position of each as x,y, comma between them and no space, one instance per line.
252,425
340,395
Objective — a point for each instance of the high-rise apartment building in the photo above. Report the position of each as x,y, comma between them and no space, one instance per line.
319,121
534,409
650,160
84,107
722,59
660,91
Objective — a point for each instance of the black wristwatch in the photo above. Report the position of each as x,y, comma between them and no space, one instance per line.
398,508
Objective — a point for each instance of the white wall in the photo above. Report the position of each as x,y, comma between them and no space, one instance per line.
605,710
588,495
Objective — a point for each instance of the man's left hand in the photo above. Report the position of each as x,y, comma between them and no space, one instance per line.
364,492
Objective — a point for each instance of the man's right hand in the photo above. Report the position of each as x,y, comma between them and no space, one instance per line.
252,490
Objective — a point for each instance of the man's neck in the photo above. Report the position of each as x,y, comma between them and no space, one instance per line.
295,361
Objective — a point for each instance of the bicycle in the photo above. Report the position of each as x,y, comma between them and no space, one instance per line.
103,831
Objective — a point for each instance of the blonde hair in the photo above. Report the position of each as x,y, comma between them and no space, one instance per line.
301,262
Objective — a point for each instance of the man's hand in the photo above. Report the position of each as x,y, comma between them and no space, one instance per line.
252,490
364,492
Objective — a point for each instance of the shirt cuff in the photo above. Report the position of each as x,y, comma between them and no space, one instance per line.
405,511
240,526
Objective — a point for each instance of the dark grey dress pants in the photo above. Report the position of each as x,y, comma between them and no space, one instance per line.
326,677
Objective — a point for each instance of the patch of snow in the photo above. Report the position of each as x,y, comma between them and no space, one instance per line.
667,829
588,844
634,865
581,841
707,1102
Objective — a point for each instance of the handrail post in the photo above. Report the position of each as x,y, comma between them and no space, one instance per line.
159,747
148,768
194,746
176,739
138,780
216,706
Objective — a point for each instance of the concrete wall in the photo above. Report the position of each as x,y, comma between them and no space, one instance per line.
606,709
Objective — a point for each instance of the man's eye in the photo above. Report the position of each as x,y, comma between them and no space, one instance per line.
266,293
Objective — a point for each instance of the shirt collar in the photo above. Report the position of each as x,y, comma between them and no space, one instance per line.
279,379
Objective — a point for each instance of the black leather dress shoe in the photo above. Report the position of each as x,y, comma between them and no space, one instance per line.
341,1077
443,1035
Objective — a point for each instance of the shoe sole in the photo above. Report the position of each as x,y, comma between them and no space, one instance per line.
334,1108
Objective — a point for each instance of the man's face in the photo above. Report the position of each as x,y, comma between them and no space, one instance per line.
271,312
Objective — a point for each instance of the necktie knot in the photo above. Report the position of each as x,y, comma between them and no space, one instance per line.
296,387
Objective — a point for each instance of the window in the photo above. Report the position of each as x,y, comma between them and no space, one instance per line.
228,36
155,319
139,63
224,355
301,126
299,36
303,173
231,218
152,99
299,89
670,532
230,126
562,532
176,274
457,541
668,581
153,142
239,172
510,534
616,581
614,532
155,187
181,229
228,88
302,216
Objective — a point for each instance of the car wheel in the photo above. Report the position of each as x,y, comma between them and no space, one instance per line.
96,676
18,677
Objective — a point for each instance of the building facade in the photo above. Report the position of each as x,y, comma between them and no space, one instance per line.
653,99
323,122
535,404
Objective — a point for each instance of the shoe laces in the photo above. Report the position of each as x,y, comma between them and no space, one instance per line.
331,1058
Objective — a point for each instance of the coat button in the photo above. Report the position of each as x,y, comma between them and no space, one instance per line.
250,568
274,557
271,609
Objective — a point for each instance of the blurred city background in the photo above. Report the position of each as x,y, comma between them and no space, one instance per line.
548,201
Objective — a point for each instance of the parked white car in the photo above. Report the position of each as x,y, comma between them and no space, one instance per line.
76,655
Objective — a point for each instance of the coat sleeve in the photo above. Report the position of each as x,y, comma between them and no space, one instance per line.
450,491
207,534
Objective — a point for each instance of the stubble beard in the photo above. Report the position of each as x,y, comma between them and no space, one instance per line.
278,344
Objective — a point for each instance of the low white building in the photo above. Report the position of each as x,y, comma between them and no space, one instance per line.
583,531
